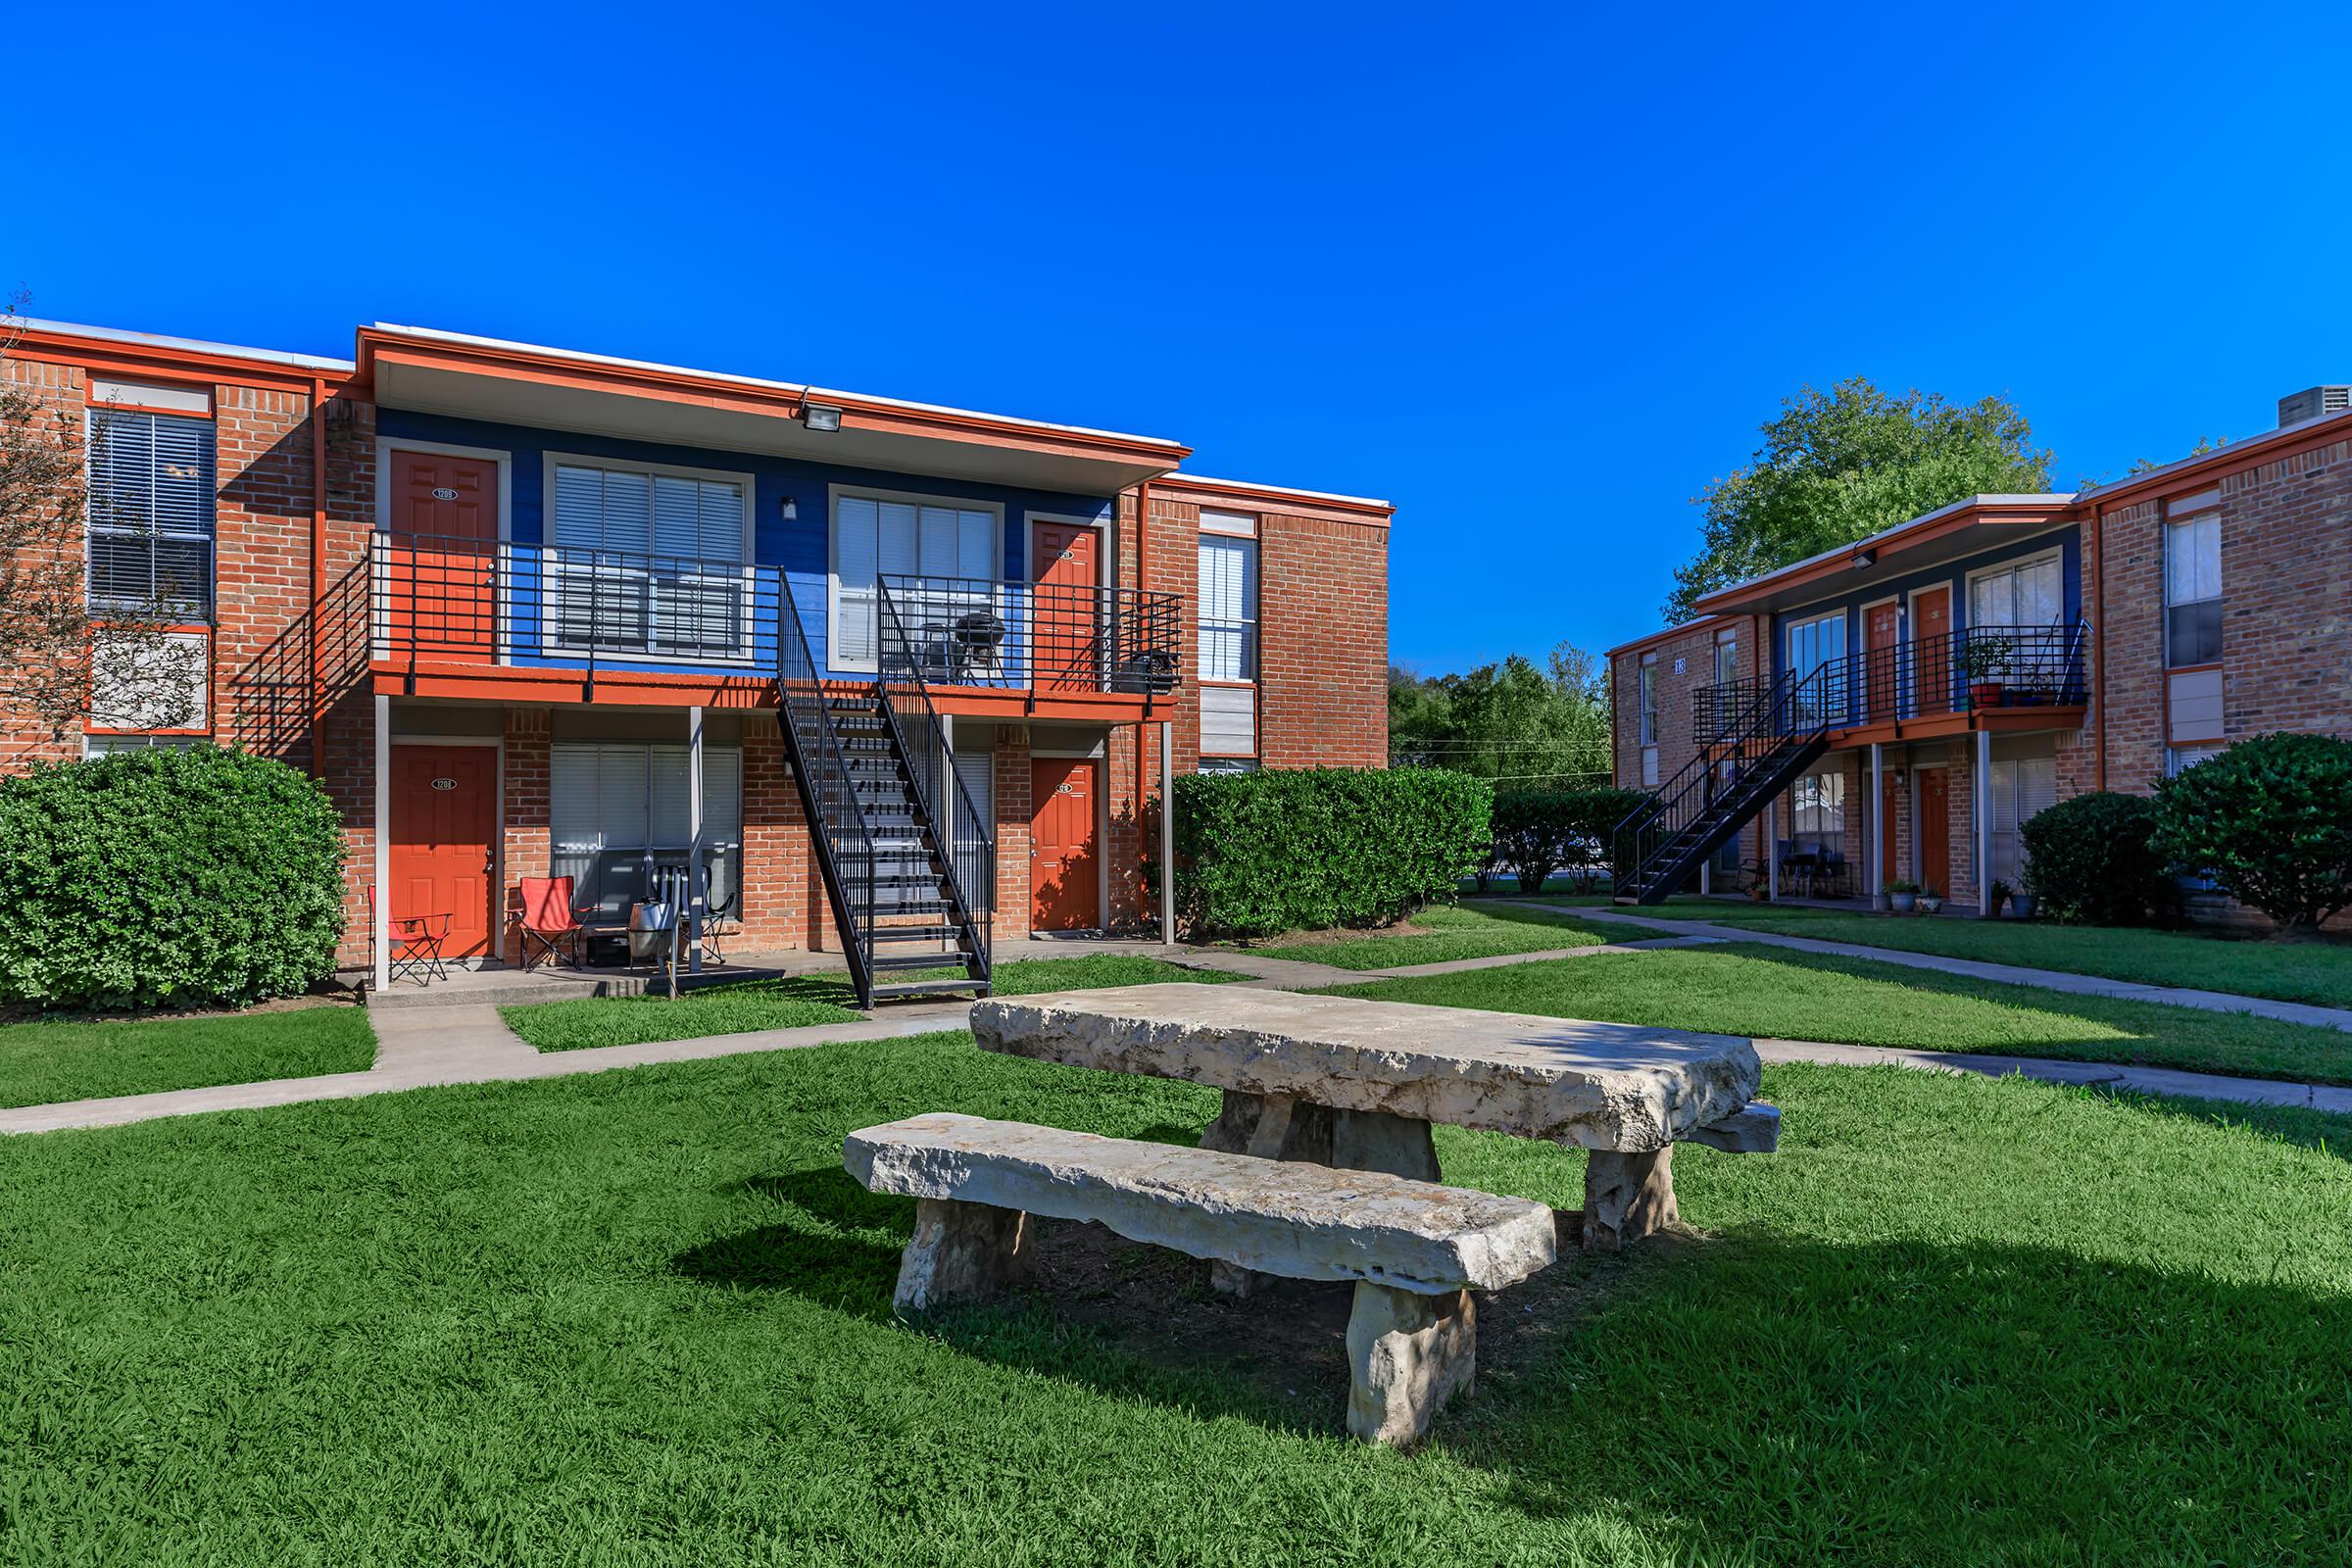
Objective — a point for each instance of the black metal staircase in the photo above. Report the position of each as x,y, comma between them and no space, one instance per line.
868,788
1759,750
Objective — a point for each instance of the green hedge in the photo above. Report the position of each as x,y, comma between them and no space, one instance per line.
1283,851
1538,832
2093,858
167,878
2269,820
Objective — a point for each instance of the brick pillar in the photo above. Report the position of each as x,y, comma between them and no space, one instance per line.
1125,808
527,850
1013,904
783,897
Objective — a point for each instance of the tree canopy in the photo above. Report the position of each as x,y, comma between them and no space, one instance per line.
1509,721
1842,465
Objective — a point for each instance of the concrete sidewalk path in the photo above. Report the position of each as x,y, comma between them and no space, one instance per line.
2086,985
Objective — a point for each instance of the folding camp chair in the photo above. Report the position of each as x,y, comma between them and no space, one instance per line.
415,941
549,919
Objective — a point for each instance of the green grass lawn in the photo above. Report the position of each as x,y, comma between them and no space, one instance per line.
643,1316
1456,931
48,1062
2316,973
746,1006
1748,989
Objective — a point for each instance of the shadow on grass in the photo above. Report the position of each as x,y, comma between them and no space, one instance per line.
2326,1132
1896,1401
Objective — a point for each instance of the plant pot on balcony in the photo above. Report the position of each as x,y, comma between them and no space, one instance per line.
1985,693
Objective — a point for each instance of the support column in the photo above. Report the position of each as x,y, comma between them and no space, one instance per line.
1167,832
1628,1196
380,939
1877,857
1772,849
1979,799
698,892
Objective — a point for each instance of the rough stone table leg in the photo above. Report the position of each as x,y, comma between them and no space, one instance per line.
1408,1355
1628,1196
1270,1127
959,1252
1374,1140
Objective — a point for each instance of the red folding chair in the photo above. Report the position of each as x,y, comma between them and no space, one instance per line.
415,943
549,918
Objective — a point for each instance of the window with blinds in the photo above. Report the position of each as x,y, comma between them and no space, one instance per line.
2031,593
874,537
1228,609
2192,591
612,803
648,562
977,770
2020,787
150,521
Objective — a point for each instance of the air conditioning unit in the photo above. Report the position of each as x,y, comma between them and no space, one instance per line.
2312,402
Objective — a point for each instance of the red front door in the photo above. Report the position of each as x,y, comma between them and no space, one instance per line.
1932,627
1935,828
1881,661
1063,866
442,554
444,821
1066,562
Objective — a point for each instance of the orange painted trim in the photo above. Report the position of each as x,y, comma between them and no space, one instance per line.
145,361
1274,499
1086,707
1726,599
378,347
2197,474
210,400
1940,726
533,685
1659,639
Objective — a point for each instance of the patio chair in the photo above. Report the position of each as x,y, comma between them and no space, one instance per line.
549,919
415,941
714,911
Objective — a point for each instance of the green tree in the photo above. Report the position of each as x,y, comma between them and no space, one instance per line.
1512,720
1842,465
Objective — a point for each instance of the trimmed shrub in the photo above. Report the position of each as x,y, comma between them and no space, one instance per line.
1282,851
1538,832
167,878
2093,860
2269,819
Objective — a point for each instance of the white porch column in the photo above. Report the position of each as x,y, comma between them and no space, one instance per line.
1167,832
698,892
1981,801
379,941
1876,854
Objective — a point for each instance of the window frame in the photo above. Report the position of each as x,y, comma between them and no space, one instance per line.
550,642
834,494
2209,514
204,615
1249,622
1645,700
2055,555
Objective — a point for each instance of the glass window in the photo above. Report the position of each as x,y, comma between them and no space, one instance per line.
1649,702
611,805
1816,645
1228,609
875,538
646,562
151,478
1727,658
2192,591
2022,787
1818,818
2031,593
1227,765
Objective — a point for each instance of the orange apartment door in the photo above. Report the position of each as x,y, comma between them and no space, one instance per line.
1067,565
1063,866
1882,630
1932,627
444,820
1935,828
443,547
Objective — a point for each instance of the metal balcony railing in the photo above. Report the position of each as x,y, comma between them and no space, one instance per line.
1049,639
1954,672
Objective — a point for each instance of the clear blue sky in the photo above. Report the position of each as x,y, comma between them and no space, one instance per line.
1535,277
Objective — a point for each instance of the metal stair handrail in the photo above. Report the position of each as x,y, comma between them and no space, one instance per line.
828,792
899,676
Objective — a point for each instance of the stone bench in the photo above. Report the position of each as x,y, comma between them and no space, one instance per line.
1414,1249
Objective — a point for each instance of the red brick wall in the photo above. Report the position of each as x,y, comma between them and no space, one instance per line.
1011,788
1323,643
527,850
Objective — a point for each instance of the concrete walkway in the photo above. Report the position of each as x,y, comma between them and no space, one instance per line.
2084,985
419,1048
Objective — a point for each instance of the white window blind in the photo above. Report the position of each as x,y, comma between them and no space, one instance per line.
875,538
1228,609
151,512
2031,593
1648,705
615,800
978,771
2192,591
2021,786
648,562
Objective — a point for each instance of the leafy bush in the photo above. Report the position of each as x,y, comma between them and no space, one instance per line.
1538,832
1282,850
2269,820
167,877
2092,860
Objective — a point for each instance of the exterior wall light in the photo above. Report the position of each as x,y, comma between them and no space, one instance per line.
790,509
1865,557
820,416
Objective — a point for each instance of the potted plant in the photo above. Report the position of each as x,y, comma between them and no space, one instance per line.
2021,904
1931,900
1983,657
1903,896
1994,897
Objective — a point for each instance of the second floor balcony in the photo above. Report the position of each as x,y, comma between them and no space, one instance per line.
445,608
2026,676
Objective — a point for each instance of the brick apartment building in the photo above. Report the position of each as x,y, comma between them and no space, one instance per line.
881,675
1893,709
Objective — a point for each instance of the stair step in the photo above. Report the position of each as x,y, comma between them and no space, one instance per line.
941,958
906,989
950,933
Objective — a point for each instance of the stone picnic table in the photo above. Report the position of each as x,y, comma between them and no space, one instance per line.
1356,1084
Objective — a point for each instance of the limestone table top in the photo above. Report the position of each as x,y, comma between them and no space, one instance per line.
1594,1084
